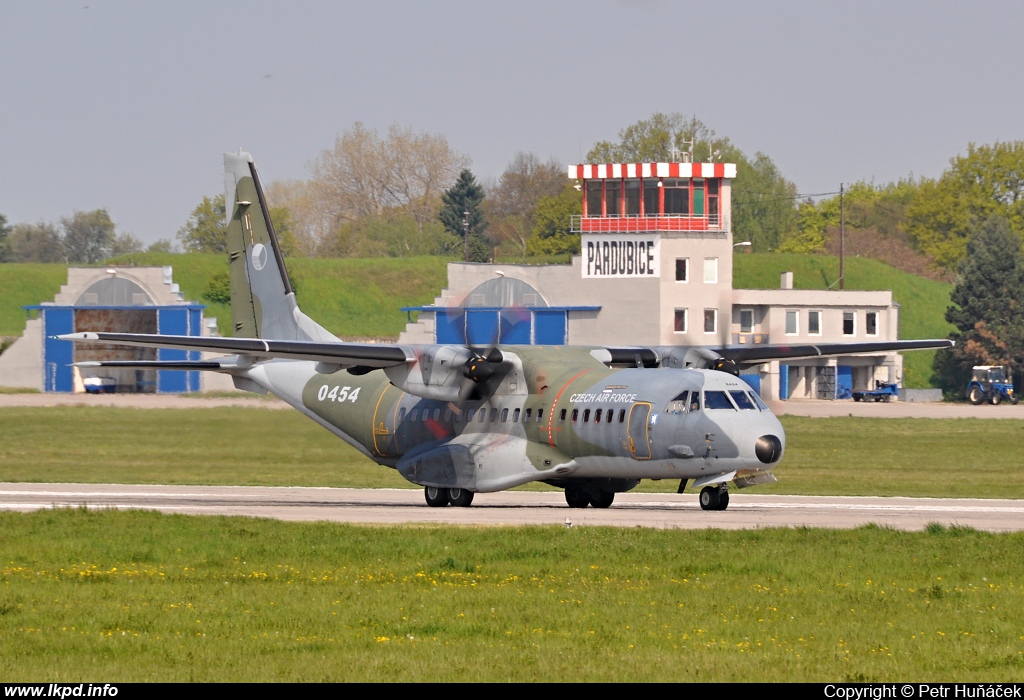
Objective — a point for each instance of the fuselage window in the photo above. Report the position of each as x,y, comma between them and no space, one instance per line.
717,400
447,415
401,415
515,416
622,415
480,415
561,416
413,415
540,414
694,401
743,401
611,415
575,414
469,414
494,414
504,415
597,416
529,413
586,416
437,414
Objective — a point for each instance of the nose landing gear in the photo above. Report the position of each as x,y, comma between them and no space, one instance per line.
714,497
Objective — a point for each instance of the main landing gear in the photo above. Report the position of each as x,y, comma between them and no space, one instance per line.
714,498
578,497
438,497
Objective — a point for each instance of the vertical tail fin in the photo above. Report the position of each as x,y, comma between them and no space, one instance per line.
262,299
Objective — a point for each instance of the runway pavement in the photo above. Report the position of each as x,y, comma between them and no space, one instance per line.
395,506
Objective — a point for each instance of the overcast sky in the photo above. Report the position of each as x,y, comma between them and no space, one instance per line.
129,105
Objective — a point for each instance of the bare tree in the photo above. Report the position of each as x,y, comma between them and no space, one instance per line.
365,175
512,202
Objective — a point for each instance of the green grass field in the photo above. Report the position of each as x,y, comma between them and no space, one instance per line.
824,456
131,596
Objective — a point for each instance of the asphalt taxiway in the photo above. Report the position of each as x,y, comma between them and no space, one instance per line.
402,506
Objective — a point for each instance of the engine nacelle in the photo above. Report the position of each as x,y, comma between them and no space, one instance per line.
437,373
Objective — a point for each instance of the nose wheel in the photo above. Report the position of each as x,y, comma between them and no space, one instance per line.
714,498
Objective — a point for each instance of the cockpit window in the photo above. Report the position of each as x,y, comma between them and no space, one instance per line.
743,401
678,404
717,400
694,401
757,400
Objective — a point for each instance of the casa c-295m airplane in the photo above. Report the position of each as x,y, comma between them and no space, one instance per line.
460,420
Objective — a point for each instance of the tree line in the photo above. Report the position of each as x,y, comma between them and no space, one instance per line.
85,237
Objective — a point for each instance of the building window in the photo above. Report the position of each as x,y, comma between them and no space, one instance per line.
677,196
746,320
710,320
871,318
710,270
632,197
679,325
593,197
682,269
813,323
652,193
792,322
849,323
612,196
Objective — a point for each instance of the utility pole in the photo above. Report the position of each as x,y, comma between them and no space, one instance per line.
842,240
465,233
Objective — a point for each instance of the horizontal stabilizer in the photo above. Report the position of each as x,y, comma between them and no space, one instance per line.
343,354
764,353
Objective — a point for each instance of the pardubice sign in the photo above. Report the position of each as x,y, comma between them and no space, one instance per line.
620,255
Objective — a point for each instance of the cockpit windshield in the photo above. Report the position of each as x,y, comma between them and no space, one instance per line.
743,401
717,400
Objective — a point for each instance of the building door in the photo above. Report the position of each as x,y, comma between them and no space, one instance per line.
844,382
639,445
825,381
58,354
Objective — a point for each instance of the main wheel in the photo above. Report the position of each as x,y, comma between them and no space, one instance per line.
603,499
576,497
723,500
461,498
436,497
996,398
709,498
975,395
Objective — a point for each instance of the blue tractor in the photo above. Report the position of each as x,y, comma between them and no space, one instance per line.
991,383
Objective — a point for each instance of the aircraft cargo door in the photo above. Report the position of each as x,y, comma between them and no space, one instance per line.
639,446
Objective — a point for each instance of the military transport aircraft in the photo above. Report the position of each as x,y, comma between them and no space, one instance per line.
460,420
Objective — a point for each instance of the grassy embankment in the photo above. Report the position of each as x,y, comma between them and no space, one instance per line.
824,456
132,596
362,298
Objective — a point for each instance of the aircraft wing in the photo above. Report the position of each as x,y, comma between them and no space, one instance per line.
754,354
345,354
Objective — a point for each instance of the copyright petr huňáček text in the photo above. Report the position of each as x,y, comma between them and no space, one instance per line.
923,690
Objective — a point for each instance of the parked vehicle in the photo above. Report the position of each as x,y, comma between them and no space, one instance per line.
100,385
991,383
881,392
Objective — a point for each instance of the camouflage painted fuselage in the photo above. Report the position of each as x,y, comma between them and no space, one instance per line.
559,414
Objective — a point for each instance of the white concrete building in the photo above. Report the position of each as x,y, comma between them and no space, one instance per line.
655,268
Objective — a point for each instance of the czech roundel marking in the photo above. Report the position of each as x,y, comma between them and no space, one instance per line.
259,256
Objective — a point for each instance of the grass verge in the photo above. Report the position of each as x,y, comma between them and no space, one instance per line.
134,596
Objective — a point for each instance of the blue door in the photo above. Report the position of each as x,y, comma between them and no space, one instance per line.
549,327
844,382
450,327
172,322
783,382
754,380
58,354
481,328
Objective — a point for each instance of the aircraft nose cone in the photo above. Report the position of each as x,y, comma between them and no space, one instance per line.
768,449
